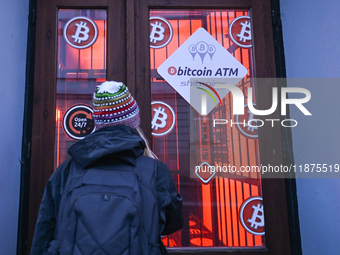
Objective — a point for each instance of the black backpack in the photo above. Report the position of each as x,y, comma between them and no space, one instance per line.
101,211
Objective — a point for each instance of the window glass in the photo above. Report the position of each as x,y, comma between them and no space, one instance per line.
81,65
184,44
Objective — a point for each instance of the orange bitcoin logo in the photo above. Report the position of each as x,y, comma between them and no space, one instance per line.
160,32
240,31
163,118
252,215
80,32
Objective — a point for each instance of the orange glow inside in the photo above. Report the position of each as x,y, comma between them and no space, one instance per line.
216,216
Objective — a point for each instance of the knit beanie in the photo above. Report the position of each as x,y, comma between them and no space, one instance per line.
114,105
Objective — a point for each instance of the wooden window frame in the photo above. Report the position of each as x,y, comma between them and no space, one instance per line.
277,238
134,69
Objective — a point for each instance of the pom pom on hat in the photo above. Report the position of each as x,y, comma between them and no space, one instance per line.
114,105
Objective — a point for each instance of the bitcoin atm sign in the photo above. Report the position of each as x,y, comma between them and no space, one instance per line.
200,56
80,32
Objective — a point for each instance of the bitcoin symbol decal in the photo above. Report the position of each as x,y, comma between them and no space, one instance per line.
257,214
252,215
83,29
156,117
202,48
245,30
211,51
172,70
163,120
158,29
240,31
80,32
193,50
160,32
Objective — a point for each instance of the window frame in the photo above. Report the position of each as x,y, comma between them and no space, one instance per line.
134,69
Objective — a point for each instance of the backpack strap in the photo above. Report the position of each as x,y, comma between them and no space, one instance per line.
74,174
146,169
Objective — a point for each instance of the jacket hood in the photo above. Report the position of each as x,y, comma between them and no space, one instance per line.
122,142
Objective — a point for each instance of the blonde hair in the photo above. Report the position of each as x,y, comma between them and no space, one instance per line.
147,151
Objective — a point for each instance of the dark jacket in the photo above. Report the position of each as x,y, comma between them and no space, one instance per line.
111,145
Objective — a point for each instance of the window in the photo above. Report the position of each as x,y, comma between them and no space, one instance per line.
65,77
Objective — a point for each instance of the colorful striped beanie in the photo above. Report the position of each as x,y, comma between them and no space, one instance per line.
114,105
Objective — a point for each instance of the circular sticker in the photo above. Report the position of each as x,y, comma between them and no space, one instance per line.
247,124
172,70
252,216
163,118
80,32
160,32
78,121
240,31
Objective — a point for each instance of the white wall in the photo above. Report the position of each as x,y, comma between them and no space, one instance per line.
13,44
311,41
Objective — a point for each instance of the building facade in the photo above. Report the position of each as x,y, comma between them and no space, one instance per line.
47,81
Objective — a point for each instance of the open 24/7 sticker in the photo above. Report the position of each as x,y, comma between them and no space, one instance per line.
163,118
80,32
252,215
78,121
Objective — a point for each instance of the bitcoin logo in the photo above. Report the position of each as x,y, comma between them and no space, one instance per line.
80,32
163,118
245,30
172,70
240,31
257,214
252,215
160,32
158,29
193,49
83,29
156,117
202,47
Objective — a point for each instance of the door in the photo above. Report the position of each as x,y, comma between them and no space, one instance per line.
160,48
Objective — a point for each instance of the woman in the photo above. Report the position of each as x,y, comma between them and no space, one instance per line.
117,144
